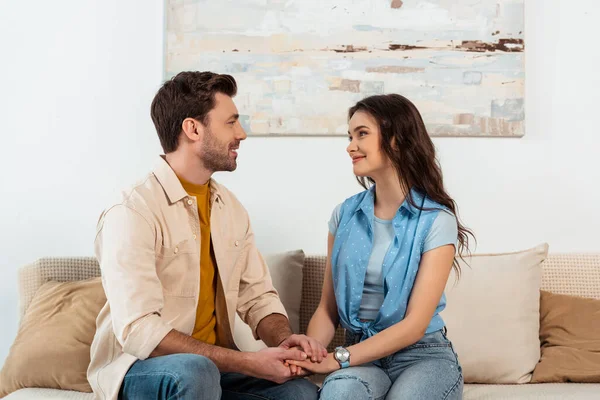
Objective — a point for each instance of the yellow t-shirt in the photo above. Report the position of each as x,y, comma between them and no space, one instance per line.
204,328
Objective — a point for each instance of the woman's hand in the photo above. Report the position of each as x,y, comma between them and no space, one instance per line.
312,347
328,365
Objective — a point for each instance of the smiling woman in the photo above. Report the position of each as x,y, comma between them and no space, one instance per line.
368,159
390,252
391,129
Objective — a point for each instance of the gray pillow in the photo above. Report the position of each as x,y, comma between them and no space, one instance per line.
286,273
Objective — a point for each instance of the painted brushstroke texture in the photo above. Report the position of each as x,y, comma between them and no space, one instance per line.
301,64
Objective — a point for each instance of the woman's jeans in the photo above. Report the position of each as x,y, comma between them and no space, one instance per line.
427,370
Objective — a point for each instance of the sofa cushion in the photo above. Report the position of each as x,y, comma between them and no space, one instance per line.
543,391
286,273
48,394
52,347
492,315
570,335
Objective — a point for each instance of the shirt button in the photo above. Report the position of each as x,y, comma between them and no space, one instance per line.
176,250
237,243
190,202
195,236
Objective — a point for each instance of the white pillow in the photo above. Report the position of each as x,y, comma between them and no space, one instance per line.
286,273
492,315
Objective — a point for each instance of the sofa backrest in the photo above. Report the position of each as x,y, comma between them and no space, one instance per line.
61,269
572,274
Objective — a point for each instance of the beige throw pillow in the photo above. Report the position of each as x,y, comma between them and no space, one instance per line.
52,348
492,315
286,273
570,336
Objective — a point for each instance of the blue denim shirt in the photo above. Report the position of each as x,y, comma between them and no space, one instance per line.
352,249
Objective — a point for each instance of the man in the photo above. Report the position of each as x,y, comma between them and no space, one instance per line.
178,260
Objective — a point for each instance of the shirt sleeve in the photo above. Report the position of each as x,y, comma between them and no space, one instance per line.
443,231
125,249
334,221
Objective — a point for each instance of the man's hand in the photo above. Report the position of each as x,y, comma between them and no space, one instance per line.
270,364
312,347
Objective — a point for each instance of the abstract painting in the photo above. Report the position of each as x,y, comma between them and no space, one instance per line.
300,64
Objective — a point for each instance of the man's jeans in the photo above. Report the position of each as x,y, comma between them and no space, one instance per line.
427,370
194,377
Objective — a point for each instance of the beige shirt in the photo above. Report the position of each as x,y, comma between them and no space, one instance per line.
147,245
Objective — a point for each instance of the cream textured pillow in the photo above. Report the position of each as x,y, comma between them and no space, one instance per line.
286,273
493,318
52,348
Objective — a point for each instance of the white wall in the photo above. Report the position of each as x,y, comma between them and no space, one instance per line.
78,78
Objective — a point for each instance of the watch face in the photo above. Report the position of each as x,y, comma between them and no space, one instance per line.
341,354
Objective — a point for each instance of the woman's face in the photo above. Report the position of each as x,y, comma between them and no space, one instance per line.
365,146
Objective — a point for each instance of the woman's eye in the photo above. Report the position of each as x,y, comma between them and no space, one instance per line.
362,133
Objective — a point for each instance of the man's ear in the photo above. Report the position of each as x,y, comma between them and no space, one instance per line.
192,129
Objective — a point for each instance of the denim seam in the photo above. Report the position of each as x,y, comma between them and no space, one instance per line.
453,352
425,346
453,388
338,377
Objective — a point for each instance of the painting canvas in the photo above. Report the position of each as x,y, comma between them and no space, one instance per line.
300,64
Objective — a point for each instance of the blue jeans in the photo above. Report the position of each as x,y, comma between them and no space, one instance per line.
427,370
194,377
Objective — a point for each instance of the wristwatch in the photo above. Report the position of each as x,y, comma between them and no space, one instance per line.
342,356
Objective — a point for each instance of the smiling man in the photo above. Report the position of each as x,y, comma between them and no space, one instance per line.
178,261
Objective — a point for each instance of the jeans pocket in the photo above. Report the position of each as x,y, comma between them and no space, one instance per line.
424,352
433,339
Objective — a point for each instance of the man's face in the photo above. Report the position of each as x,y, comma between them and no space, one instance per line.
222,136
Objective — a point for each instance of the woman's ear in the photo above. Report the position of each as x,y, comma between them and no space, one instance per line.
394,143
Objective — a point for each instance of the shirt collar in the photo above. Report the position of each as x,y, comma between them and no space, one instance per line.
172,186
417,198
367,205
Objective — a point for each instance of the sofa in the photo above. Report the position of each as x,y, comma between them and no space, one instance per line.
569,274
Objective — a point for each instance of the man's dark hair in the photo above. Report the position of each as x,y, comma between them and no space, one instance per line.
186,95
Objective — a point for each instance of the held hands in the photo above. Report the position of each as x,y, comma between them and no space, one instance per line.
317,361
272,363
326,366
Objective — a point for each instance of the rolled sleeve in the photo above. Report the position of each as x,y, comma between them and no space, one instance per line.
145,335
257,315
125,248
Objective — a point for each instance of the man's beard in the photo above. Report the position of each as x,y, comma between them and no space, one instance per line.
215,155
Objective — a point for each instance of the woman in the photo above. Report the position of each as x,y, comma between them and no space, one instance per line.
390,252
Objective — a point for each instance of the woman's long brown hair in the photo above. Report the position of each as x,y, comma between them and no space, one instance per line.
407,144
